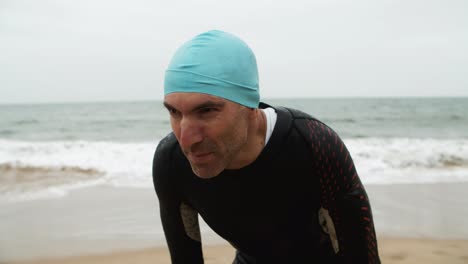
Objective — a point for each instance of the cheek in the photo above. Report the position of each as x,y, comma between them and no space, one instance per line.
216,134
234,134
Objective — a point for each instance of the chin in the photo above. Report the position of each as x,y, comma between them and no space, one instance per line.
206,173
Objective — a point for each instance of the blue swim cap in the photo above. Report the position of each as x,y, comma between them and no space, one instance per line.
216,63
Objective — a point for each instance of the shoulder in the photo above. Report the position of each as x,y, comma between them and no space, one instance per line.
296,114
307,124
163,152
314,132
293,114
165,146
162,162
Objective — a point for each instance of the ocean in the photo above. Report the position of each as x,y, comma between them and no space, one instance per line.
47,150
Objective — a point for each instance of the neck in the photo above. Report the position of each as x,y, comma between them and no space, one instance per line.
261,128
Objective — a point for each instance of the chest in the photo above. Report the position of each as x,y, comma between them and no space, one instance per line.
263,209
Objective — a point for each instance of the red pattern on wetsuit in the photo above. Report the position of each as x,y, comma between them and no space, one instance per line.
338,177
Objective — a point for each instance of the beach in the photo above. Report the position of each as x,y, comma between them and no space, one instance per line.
76,183
415,223
392,250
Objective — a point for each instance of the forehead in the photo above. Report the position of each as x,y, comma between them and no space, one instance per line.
185,101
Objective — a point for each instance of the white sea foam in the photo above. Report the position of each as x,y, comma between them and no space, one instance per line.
122,164
409,160
378,160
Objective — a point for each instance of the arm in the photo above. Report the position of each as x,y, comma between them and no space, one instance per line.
345,213
180,221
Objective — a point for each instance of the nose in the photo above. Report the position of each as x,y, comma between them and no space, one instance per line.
190,133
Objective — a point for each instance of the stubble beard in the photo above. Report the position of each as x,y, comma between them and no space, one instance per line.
233,142
222,159
211,169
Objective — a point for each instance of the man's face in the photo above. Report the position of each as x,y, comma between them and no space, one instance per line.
210,130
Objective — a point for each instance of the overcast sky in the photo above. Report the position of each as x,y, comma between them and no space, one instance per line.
108,50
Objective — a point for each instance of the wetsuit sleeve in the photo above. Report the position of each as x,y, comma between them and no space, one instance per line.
345,213
179,221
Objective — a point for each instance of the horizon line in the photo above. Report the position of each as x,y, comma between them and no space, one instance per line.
262,99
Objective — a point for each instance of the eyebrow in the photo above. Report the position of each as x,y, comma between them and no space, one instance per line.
207,104
168,106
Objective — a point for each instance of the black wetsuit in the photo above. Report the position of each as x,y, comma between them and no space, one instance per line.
270,210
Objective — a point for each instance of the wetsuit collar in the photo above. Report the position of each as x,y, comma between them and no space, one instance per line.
280,131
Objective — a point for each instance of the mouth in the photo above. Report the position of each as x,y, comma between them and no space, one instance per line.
200,157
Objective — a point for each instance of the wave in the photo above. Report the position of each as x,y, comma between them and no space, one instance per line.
7,132
457,117
73,164
21,182
339,120
52,169
409,160
26,122
26,176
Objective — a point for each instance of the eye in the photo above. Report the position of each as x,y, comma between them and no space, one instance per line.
207,110
173,112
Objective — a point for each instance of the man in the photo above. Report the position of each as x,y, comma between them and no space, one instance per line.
276,183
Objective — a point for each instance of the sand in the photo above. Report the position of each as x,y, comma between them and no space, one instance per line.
392,250
416,223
